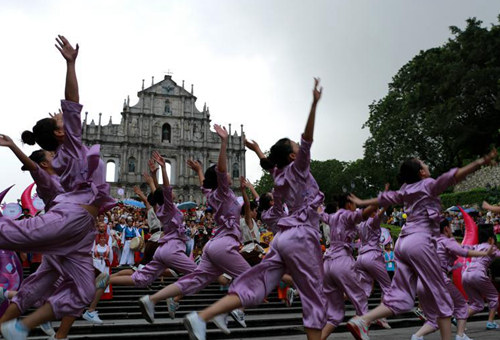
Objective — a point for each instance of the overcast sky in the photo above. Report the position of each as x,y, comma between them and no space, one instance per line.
253,61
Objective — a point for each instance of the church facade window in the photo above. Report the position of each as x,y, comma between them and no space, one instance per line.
131,164
166,133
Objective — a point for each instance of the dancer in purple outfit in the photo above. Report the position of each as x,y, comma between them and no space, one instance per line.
67,231
221,253
296,248
448,250
171,252
370,262
415,252
341,276
475,280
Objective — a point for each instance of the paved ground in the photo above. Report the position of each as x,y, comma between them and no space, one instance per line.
476,330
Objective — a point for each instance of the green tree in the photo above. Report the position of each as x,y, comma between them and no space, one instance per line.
442,106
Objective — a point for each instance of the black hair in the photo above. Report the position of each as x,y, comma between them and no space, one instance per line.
444,223
151,199
278,156
409,171
43,134
210,181
158,196
253,206
265,201
485,231
341,200
37,156
331,207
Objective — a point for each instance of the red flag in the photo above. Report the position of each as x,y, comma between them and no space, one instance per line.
470,239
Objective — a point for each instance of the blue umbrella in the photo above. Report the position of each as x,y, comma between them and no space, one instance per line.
186,205
453,208
134,203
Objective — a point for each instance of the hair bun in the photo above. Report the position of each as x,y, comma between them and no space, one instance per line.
267,164
28,137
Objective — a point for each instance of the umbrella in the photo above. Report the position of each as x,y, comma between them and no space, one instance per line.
186,205
134,203
453,208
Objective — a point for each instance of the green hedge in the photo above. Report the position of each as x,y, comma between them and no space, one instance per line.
475,196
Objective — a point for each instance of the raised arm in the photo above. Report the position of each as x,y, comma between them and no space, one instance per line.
246,203
222,161
153,169
143,197
252,189
196,167
150,181
252,145
367,212
69,53
27,162
473,166
309,130
161,161
492,208
363,203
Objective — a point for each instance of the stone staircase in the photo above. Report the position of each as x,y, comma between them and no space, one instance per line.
123,320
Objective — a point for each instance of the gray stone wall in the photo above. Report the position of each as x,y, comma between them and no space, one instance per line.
487,176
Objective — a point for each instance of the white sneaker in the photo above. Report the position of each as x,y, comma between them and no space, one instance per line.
92,317
196,327
172,307
47,328
11,331
414,337
147,308
290,295
358,328
239,316
463,337
221,322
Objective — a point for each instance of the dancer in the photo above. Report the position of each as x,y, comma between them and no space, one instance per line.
169,254
448,250
415,252
370,262
39,164
221,253
341,276
295,248
475,280
68,229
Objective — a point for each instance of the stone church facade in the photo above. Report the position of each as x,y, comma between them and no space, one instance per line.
165,119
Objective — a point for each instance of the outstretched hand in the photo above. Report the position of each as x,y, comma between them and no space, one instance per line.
147,178
153,167
159,159
490,157
354,199
6,141
138,190
221,131
317,90
243,183
252,145
56,116
68,52
194,165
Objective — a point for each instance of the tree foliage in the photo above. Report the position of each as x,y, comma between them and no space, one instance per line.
442,107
